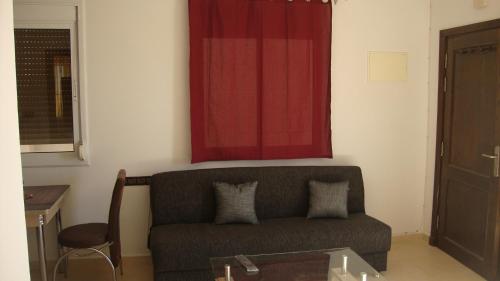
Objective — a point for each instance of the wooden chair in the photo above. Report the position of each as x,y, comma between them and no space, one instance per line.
94,237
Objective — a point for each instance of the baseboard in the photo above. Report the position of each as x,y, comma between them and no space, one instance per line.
405,236
395,238
136,255
92,256
35,266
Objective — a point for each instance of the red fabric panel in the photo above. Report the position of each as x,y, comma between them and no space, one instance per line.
260,79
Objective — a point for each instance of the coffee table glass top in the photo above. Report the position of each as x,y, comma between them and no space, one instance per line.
321,265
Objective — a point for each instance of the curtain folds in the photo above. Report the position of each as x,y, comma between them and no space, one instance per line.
260,79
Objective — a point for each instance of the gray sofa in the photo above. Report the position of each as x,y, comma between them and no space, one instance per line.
183,236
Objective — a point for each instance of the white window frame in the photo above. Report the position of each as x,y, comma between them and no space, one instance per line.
55,155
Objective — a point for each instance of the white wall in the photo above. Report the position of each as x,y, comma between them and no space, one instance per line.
445,14
382,126
13,244
138,108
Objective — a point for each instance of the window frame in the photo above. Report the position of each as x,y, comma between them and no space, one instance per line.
56,155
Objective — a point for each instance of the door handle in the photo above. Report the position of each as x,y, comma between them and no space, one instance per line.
489,156
496,161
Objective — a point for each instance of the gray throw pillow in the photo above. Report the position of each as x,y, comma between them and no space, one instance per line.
235,203
328,200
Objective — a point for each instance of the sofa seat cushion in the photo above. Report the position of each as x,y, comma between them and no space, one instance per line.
179,247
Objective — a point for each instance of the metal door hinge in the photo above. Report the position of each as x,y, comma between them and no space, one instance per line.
446,60
445,86
442,149
437,222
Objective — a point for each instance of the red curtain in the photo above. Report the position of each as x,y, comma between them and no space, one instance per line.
260,79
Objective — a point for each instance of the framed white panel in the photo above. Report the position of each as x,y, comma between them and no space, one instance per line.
388,66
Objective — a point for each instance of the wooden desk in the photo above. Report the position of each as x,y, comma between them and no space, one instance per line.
41,205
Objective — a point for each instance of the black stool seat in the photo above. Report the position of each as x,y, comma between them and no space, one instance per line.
82,236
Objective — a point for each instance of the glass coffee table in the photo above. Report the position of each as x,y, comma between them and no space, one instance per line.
321,265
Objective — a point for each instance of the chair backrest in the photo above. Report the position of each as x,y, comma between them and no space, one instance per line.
114,218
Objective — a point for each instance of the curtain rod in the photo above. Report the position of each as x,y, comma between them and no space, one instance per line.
324,1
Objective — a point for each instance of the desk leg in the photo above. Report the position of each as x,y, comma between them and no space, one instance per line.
42,256
60,249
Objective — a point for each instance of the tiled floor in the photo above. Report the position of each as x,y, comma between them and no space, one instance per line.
411,259
135,269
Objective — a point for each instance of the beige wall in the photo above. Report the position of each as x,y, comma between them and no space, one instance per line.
445,14
138,109
13,247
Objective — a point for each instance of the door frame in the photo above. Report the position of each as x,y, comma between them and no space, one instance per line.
443,47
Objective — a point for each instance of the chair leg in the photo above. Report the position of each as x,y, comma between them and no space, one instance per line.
59,260
113,269
70,252
66,263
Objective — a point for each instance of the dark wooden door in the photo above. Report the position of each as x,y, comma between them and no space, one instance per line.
467,216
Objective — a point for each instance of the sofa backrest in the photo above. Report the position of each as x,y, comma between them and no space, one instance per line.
188,196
